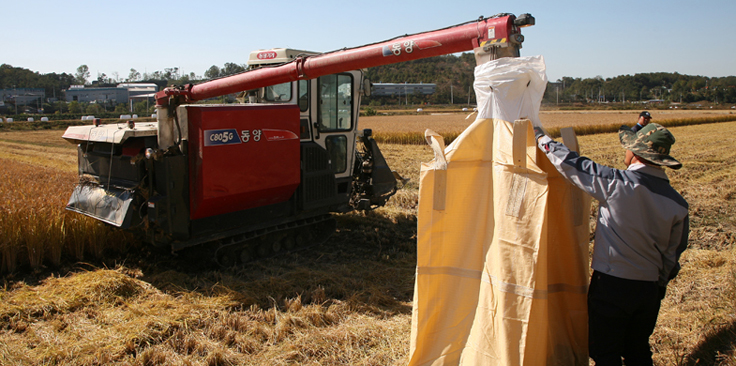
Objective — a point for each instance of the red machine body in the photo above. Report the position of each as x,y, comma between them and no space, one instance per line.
242,157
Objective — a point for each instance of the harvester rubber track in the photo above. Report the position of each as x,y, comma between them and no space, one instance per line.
274,240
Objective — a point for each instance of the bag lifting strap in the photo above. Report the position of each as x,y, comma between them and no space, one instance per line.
576,196
523,142
437,143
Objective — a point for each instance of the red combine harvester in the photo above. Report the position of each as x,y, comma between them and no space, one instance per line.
257,177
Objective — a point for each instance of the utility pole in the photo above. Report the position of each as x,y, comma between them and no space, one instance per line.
15,97
715,95
452,99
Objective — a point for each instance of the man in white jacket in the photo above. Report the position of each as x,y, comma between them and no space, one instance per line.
641,231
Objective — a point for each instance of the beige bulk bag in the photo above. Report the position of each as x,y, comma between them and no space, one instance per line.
454,222
511,316
482,291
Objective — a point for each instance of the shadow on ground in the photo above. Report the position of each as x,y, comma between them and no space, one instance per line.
368,262
716,348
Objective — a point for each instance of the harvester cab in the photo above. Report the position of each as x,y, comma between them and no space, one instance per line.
251,178
329,108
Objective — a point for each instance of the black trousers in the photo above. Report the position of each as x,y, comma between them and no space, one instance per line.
621,317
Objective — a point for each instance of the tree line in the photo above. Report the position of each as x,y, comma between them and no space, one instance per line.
17,77
659,86
54,84
452,75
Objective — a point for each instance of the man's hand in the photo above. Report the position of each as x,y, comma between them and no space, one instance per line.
538,132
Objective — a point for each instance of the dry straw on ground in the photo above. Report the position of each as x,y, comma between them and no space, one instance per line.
346,302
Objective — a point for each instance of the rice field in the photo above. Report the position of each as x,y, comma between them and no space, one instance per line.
35,230
409,129
458,121
80,294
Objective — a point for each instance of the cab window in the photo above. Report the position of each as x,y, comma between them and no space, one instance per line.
335,102
337,148
303,95
277,93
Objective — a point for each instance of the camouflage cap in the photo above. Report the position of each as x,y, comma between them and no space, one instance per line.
651,143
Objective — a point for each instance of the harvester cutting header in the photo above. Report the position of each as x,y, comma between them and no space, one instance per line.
256,177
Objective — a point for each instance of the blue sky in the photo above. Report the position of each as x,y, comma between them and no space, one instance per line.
577,38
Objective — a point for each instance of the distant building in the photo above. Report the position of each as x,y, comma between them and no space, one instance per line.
140,89
22,96
120,94
389,89
97,95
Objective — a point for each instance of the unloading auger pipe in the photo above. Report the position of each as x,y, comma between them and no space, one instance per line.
483,35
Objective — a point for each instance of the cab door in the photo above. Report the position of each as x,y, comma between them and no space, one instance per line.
333,116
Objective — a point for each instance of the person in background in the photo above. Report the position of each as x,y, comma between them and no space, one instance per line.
644,119
642,230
